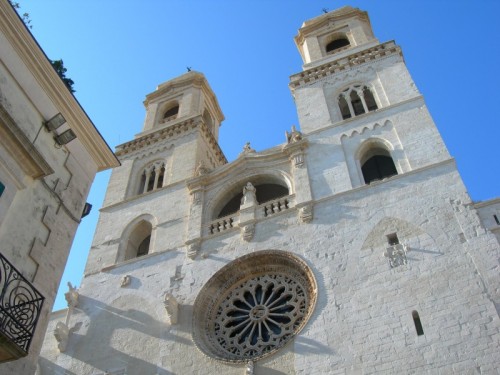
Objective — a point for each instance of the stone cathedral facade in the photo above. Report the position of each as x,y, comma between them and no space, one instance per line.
353,247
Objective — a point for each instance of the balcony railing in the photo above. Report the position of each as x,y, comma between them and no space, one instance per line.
222,224
275,206
20,307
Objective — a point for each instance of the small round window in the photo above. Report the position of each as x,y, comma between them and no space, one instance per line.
253,306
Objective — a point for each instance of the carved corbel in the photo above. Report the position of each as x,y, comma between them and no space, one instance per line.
248,231
306,213
192,249
298,159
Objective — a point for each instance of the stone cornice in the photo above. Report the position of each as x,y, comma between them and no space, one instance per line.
335,16
189,79
195,79
312,75
35,60
22,150
487,202
172,132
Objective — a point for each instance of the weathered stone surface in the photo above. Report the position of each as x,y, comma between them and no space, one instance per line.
364,317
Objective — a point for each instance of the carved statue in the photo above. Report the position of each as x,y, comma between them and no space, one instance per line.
247,149
249,197
172,307
201,169
71,296
61,333
293,136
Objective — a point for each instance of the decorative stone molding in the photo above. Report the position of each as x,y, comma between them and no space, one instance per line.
315,74
279,289
153,139
365,128
172,307
306,213
196,196
125,281
397,255
298,159
247,232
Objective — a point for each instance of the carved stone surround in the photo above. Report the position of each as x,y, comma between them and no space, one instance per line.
253,306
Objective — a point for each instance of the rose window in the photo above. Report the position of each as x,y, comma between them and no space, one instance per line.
253,306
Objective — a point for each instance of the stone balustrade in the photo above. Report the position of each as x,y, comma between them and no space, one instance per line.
222,224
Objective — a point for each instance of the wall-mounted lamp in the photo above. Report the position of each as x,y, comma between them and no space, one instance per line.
55,122
65,137
86,209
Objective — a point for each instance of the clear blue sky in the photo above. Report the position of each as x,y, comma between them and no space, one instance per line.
117,51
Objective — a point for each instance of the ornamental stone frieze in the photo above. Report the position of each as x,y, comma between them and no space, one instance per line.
339,66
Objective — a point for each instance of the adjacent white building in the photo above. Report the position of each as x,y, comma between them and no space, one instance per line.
49,154
353,247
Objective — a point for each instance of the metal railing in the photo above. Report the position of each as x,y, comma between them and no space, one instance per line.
20,306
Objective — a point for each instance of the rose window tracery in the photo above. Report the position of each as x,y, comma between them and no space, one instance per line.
253,306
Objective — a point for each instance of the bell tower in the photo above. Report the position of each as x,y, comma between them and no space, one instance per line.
180,133
357,93
179,138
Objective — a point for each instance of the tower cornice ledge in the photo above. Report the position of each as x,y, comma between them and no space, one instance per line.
312,75
171,132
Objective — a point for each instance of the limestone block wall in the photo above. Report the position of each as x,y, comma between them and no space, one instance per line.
387,78
489,213
46,183
168,209
39,215
363,318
